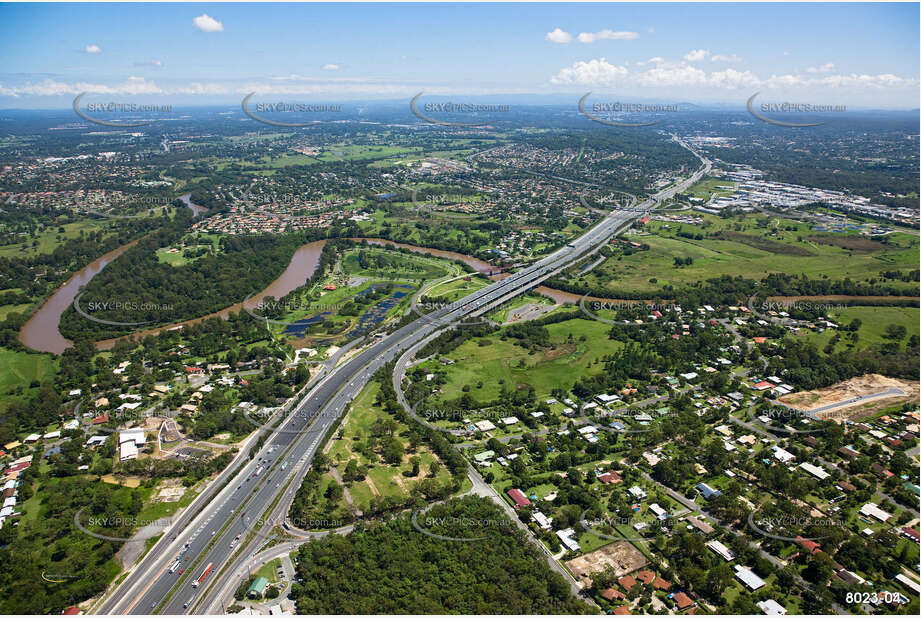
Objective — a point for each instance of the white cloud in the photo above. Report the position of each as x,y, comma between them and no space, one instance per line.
149,63
661,74
206,23
558,36
828,67
197,88
51,87
607,35
594,72
725,58
696,55
92,49
331,67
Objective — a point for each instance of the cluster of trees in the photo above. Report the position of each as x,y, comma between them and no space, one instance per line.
393,568
804,366
80,565
783,284
155,292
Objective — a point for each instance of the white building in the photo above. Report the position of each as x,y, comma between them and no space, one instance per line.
566,537
542,520
484,425
815,471
129,442
781,455
721,550
770,607
637,492
871,509
748,577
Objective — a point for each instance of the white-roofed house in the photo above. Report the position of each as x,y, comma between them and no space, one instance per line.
770,607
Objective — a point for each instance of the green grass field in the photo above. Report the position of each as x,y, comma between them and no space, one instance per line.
6,310
453,290
269,570
22,368
382,479
874,321
570,359
50,238
707,188
749,250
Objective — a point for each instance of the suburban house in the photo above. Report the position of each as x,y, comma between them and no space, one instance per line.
518,498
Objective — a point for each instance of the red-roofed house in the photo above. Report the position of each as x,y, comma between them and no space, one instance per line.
102,418
682,600
610,594
623,610
662,584
759,339
760,386
518,498
627,582
610,478
912,533
17,468
811,546
647,577
71,611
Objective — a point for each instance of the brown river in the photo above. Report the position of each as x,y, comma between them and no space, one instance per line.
41,331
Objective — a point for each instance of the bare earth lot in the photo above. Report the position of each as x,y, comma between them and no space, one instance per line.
621,556
843,392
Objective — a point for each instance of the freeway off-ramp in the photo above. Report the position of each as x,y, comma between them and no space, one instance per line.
278,466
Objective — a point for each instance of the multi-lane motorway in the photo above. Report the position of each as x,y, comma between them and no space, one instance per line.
228,530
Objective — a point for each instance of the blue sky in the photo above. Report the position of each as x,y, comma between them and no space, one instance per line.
854,54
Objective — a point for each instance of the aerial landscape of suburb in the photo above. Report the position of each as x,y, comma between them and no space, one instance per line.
460,308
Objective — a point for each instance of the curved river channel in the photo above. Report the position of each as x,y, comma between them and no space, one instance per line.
41,331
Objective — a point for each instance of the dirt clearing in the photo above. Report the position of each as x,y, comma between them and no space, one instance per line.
621,556
854,399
